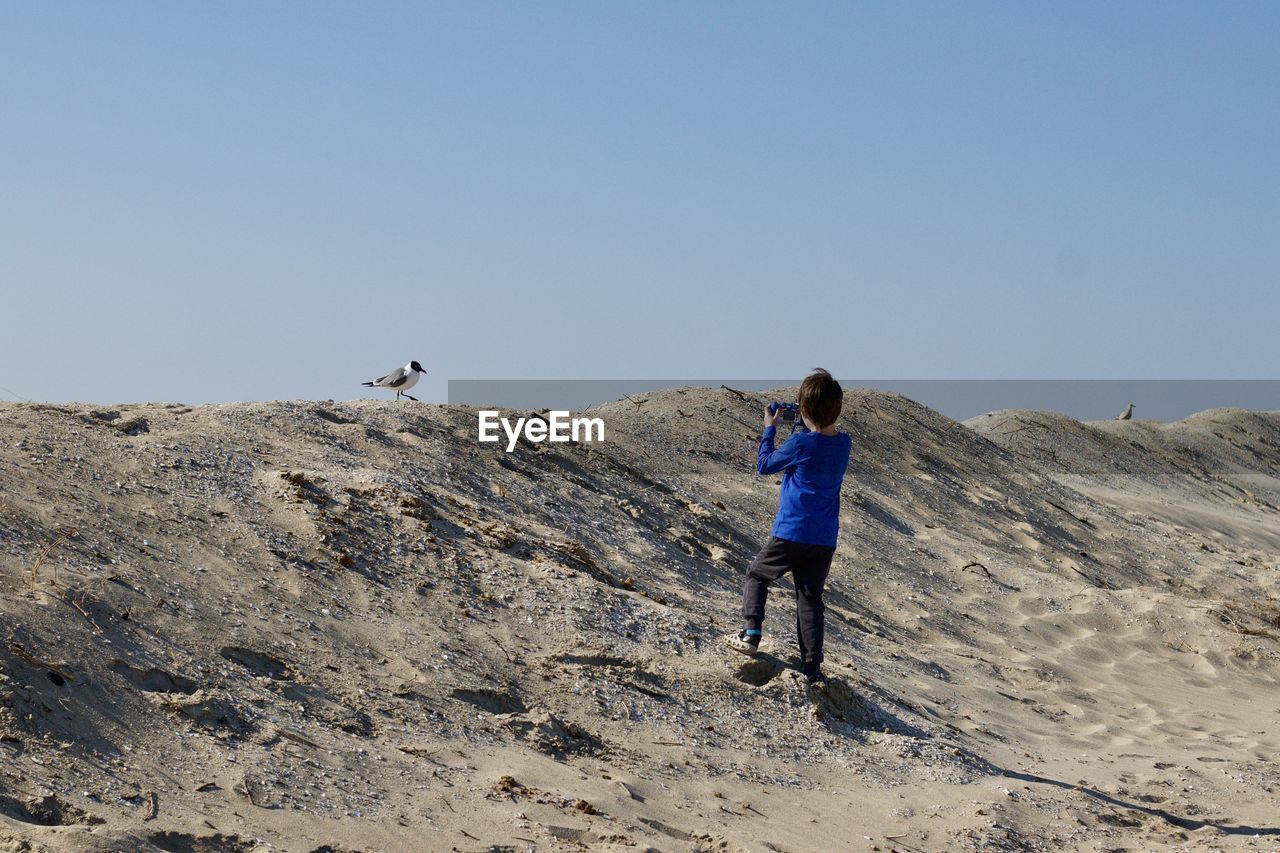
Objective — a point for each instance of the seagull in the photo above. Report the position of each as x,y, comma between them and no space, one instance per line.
1127,415
401,379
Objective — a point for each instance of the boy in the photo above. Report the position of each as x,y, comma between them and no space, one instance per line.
808,521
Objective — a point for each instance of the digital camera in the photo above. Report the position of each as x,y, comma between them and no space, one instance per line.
790,415
790,411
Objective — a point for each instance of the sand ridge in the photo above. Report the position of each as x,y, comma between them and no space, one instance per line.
316,625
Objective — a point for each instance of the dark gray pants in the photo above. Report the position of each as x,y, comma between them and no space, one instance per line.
809,566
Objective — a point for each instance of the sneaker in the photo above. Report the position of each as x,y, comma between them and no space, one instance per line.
746,643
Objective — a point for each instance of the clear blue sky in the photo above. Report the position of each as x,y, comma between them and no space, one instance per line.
225,201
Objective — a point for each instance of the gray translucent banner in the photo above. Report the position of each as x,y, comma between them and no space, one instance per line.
1084,399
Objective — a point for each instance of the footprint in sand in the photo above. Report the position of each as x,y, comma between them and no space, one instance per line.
759,671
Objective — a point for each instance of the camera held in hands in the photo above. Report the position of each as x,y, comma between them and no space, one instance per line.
790,414
790,411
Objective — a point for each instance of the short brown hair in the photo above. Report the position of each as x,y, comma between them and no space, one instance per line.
821,398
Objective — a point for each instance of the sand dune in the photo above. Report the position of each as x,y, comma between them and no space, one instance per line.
341,626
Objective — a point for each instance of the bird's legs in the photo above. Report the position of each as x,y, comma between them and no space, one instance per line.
414,399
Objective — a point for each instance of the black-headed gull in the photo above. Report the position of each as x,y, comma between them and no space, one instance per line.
401,379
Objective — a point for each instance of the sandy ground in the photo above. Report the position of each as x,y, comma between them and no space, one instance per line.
347,626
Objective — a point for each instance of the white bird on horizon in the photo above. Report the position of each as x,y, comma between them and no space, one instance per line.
400,380
1127,414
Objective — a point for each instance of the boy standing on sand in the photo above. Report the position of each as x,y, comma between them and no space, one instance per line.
808,521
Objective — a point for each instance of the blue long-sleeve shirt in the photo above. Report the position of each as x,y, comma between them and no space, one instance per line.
813,468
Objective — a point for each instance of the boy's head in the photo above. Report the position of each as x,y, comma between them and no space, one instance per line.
821,398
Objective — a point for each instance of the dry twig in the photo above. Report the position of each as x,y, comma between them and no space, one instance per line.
78,605
1062,508
35,661
44,554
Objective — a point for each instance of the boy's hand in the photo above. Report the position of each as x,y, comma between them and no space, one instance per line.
772,418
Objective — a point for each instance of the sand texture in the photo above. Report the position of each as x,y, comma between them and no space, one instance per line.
322,626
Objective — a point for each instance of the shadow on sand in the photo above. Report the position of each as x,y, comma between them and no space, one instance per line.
1181,822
